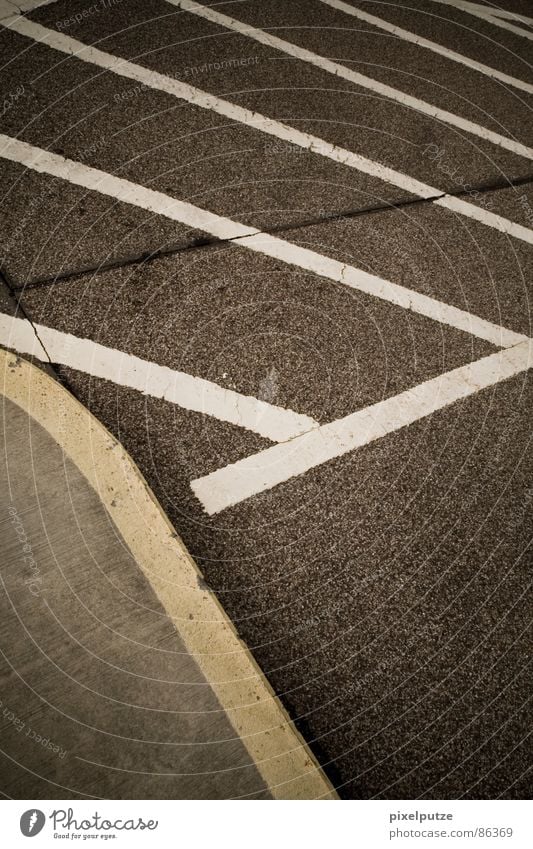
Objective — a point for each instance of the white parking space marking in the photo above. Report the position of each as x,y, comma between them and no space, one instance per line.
419,41
20,335
266,469
45,162
184,390
13,7
499,17
160,82
204,100
483,216
401,296
351,644
359,79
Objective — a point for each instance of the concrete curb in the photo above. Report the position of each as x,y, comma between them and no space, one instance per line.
280,754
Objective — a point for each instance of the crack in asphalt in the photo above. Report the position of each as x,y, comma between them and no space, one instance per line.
52,368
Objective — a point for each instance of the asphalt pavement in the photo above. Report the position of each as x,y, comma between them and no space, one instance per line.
333,217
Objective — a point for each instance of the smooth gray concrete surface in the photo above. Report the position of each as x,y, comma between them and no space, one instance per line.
99,697
181,150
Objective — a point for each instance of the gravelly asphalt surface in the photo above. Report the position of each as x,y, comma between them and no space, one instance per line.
139,664
385,592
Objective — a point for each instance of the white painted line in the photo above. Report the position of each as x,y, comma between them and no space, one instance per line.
499,17
413,38
93,179
497,222
248,237
281,755
160,82
18,334
346,73
483,216
184,91
8,8
393,293
236,482
191,393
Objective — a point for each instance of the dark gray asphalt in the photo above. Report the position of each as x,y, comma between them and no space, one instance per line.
384,593
231,317
168,145
178,43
